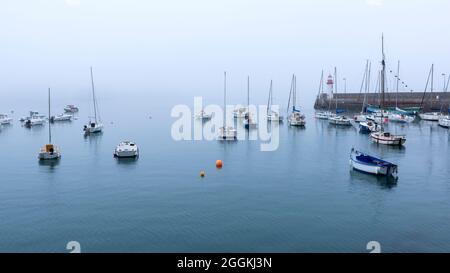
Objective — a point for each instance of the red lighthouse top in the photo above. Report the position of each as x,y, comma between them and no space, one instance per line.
330,80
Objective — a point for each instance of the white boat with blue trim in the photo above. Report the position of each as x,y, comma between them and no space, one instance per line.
372,165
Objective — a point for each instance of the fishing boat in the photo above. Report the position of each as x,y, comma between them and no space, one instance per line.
49,151
70,108
372,165
5,119
61,117
444,122
295,118
382,137
323,115
271,114
94,126
203,115
126,149
226,132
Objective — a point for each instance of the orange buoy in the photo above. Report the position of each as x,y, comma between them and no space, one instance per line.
219,163
202,174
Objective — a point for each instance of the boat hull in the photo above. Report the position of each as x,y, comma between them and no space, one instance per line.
392,140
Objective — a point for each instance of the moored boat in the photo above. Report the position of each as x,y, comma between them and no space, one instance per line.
340,120
5,119
70,108
50,151
444,121
372,165
126,149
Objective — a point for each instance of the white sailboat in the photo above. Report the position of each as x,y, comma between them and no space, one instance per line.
295,118
49,151
226,132
94,126
362,116
249,121
272,115
383,137
430,116
321,114
340,120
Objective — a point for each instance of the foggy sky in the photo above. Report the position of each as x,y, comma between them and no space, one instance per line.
181,48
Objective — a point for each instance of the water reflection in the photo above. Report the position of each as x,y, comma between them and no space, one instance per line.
49,164
382,182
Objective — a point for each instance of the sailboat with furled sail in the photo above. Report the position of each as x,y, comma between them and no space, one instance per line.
271,114
381,136
430,116
94,126
295,118
339,120
226,132
49,151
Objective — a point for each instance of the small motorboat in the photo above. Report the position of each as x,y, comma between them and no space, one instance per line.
444,122
431,116
340,120
126,149
367,127
202,115
36,120
71,108
381,137
372,165
5,119
61,117
322,115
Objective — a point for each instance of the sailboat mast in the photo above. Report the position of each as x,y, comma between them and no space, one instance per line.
49,123
398,80
383,74
93,96
293,92
224,98
269,101
248,94
335,88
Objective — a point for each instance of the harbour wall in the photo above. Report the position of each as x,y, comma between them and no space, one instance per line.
434,101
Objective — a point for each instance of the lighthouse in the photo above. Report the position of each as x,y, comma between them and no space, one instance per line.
330,84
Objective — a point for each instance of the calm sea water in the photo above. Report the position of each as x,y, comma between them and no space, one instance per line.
300,198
